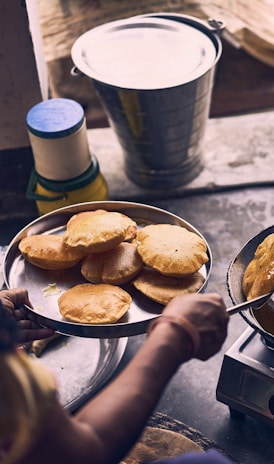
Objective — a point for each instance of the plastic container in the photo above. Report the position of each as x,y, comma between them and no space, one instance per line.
65,172
58,137
51,195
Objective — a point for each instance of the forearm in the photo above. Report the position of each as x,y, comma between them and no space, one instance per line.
107,427
117,415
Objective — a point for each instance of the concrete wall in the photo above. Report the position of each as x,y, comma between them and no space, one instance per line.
23,79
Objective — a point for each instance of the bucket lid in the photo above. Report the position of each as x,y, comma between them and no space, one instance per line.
55,118
144,53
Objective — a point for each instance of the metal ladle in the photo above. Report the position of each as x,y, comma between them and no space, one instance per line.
255,303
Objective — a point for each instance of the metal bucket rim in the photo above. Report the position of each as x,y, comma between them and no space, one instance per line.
78,71
211,32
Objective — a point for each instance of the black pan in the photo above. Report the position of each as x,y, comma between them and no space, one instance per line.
234,281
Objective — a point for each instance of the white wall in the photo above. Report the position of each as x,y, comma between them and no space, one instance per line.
23,77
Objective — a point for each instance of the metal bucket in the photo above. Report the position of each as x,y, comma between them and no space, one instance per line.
154,75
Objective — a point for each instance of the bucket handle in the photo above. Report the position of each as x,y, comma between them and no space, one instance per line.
31,195
216,25
75,72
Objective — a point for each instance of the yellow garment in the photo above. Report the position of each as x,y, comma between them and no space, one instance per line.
27,391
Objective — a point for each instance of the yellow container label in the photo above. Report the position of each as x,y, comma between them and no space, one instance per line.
97,190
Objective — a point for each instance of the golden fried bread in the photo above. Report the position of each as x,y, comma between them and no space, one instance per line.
49,252
156,443
162,288
94,233
258,277
116,266
94,303
171,250
85,214
131,232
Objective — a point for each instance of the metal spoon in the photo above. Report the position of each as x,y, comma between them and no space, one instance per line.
255,303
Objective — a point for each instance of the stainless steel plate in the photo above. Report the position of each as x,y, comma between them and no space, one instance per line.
82,366
18,273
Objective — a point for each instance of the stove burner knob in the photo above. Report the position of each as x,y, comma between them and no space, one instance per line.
271,404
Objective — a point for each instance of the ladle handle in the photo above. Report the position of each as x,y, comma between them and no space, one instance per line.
255,303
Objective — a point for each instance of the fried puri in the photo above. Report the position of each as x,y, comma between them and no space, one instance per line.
162,289
94,303
116,266
49,252
171,250
258,277
97,232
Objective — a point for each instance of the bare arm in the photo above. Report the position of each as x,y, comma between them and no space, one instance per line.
118,414
106,428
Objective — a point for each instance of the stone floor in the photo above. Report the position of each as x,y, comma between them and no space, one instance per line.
227,219
230,201
238,152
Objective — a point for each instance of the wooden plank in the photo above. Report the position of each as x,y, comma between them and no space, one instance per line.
242,85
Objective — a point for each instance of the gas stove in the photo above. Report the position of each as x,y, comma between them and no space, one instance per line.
246,381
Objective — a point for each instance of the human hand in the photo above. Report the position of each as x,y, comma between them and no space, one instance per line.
207,313
13,302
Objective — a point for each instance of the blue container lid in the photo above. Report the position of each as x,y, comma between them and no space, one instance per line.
55,118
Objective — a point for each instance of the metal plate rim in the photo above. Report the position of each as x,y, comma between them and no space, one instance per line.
118,349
